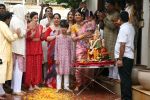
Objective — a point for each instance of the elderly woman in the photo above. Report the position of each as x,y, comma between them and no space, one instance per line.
51,33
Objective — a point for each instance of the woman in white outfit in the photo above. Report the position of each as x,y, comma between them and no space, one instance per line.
18,21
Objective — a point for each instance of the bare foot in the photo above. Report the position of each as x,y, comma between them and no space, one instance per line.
6,94
68,90
57,91
31,88
2,98
36,87
76,89
18,93
118,99
23,92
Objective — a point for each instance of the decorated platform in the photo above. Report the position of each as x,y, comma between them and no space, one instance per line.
95,63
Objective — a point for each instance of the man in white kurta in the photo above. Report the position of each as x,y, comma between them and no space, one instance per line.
6,38
18,21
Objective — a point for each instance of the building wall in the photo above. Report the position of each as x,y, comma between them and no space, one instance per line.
145,55
13,1
30,2
92,5
1,1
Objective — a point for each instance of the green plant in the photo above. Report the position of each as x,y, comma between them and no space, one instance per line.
49,1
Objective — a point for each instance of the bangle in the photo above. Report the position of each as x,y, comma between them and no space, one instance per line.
81,36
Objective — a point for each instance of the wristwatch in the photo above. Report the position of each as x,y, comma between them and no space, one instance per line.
119,59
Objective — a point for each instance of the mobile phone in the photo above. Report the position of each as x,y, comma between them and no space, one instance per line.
1,61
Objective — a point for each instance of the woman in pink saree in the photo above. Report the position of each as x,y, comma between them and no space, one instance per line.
80,35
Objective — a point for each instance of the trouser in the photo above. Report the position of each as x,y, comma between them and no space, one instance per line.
59,81
125,77
44,70
113,72
17,78
2,92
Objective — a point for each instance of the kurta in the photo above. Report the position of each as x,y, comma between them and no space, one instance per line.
110,32
63,54
110,37
33,75
18,46
6,37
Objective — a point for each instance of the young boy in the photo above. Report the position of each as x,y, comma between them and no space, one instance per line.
63,56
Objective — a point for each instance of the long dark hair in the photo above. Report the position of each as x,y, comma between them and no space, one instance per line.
73,13
32,14
81,12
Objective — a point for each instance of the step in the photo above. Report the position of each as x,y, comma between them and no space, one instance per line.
139,93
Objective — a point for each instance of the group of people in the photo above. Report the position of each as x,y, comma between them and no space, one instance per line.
43,48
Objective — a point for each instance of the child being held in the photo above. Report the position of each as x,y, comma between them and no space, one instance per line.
89,24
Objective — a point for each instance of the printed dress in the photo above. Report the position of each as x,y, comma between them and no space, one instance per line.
64,54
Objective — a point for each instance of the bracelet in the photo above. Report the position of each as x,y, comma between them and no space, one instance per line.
119,59
81,36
